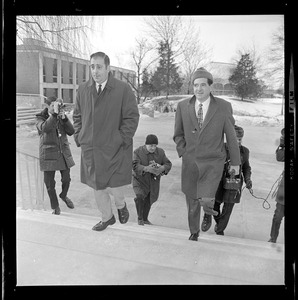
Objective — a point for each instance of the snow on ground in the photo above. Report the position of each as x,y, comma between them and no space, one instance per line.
262,112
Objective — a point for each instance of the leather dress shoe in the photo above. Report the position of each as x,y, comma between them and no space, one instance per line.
103,225
123,214
272,240
218,232
147,222
206,223
141,222
56,211
194,236
68,202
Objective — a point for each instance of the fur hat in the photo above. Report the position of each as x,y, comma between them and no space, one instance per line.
239,131
202,73
151,139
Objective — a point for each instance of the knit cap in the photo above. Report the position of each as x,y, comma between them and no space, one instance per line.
151,139
202,73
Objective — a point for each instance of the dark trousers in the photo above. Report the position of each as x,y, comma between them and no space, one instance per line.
49,180
194,213
143,206
276,221
223,217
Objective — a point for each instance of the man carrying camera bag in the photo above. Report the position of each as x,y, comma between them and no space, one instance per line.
54,153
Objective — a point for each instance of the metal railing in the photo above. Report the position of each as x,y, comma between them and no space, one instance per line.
30,186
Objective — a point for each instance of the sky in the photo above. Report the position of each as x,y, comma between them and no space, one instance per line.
223,34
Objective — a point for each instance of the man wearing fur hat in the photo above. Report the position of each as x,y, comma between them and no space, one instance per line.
226,195
149,164
201,123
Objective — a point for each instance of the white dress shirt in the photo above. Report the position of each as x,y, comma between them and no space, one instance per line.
102,85
204,107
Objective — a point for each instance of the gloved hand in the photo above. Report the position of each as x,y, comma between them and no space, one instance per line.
150,169
208,204
159,170
249,184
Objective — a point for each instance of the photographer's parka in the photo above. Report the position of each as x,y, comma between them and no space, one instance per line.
54,151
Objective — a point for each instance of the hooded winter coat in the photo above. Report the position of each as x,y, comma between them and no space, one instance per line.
143,182
202,150
104,128
54,150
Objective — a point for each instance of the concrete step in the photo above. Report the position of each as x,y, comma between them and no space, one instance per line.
63,249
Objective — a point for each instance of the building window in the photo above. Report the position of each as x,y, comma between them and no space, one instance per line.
121,75
49,92
70,72
55,73
67,95
44,70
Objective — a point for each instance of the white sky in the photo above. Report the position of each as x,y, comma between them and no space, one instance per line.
224,34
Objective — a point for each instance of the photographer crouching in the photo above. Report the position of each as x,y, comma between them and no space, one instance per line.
54,152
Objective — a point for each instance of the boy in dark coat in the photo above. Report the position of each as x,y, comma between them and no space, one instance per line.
54,153
280,202
228,196
149,163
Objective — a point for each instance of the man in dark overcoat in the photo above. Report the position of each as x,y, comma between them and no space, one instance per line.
201,123
105,119
149,164
54,152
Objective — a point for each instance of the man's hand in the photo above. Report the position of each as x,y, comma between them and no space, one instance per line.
61,114
236,170
249,184
149,169
159,170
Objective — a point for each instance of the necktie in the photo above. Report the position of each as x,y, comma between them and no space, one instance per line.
99,89
200,115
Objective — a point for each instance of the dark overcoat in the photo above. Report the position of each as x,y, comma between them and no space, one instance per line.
143,182
54,150
232,196
202,150
104,129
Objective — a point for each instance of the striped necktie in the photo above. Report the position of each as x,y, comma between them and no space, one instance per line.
99,89
200,115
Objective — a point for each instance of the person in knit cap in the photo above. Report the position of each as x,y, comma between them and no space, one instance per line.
201,123
149,164
226,195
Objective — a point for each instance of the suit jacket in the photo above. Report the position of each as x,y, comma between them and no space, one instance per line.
202,150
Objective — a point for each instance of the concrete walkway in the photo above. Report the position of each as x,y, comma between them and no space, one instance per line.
63,250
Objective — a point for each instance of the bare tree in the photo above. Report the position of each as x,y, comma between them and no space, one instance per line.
63,33
195,54
275,58
139,55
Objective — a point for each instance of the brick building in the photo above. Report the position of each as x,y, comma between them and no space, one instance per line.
44,72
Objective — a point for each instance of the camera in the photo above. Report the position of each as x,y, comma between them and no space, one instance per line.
58,105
